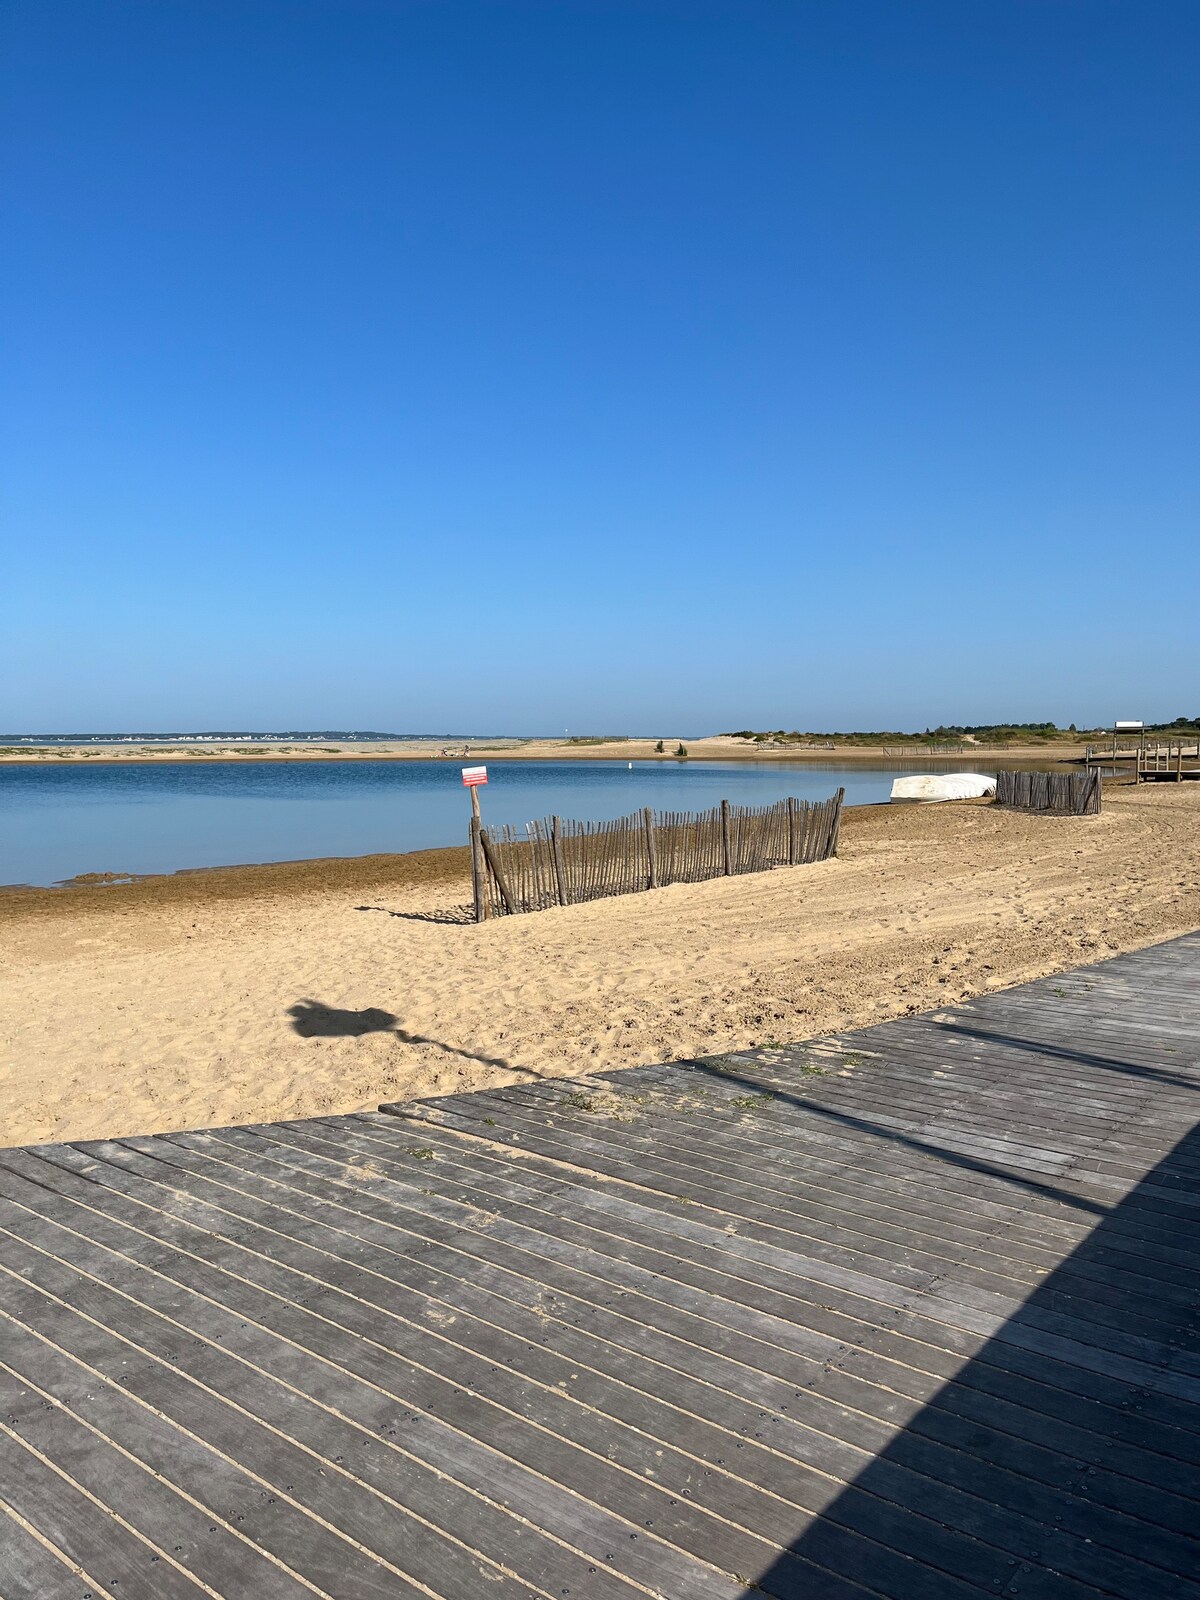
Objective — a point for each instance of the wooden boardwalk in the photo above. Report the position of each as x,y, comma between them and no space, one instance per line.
911,1312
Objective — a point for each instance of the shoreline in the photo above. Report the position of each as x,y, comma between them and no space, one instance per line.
240,881
237,879
250,994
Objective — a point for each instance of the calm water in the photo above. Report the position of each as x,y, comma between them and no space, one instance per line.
57,822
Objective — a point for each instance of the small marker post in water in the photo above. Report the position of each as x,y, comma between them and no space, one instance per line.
472,778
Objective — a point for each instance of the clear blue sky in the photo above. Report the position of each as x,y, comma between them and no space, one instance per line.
613,366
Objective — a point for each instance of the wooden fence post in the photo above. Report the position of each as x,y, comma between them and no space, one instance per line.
560,871
651,847
824,820
837,821
479,878
725,837
493,862
791,831
478,883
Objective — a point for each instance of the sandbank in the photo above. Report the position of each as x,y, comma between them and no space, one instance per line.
718,747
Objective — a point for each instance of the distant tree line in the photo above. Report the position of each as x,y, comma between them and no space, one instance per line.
985,732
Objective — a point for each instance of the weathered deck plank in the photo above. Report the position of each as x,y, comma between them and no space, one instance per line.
909,1312
29,1566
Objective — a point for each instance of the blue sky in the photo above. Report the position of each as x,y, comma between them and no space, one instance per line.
613,366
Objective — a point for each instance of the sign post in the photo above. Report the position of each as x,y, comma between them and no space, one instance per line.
473,778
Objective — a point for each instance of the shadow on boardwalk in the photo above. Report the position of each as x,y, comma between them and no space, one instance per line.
1077,1427
907,1141
1086,1058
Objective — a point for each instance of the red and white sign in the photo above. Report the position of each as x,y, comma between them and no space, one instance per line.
473,776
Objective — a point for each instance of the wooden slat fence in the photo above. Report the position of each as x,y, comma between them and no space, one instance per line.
1074,794
559,862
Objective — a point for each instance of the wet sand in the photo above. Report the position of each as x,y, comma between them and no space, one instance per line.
316,987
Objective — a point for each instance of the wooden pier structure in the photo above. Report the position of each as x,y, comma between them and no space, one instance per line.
1173,761
907,1312
1149,760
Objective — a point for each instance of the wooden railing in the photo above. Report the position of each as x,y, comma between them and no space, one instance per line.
1166,758
1153,747
560,863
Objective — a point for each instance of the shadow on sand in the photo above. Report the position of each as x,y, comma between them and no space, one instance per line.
313,1020
448,916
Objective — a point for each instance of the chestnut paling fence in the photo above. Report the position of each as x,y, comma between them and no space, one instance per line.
1072,794
558,862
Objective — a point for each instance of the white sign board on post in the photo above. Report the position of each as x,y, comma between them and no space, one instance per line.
473,776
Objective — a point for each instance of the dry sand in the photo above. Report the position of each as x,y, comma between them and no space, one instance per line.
330,986
717,747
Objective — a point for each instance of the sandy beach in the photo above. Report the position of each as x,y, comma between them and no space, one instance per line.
319,987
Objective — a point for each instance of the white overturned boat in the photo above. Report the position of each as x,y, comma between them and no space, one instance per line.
944,786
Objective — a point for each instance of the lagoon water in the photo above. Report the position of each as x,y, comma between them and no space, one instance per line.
60,821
